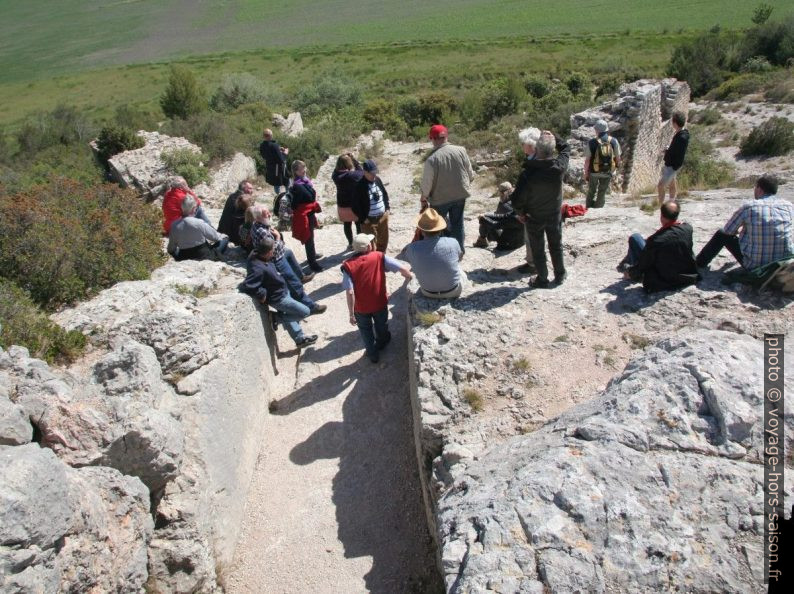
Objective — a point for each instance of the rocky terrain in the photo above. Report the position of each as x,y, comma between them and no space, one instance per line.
556,431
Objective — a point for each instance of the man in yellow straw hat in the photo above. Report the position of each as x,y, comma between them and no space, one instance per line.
435,259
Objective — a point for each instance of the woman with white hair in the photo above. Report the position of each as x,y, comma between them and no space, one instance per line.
172,202
529,139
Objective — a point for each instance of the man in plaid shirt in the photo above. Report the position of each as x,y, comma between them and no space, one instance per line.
765,227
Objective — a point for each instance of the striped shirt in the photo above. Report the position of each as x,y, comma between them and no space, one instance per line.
766,230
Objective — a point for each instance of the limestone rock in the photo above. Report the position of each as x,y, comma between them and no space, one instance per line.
225,179
15,427
649,487
70,530
292,125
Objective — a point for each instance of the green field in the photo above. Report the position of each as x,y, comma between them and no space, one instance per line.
44,38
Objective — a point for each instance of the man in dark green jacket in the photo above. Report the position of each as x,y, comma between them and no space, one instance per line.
538,200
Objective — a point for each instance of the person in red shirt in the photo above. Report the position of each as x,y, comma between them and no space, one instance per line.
172,203
364,280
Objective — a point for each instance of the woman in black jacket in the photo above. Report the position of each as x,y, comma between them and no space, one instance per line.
347,173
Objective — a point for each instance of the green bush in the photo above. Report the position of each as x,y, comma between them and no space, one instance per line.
756,64
214,133
706,117
537,86
188,164
65,125
772,40
313,148
579,84
135,117
183,97
329,93
75,162
381,114
66,240
736,87
781,91
774,137
113,140
704,60
24,324
702,169
236,90
499,98
426,110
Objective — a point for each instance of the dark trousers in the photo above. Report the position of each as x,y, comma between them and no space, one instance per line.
374,329
349,231
718,241
538,230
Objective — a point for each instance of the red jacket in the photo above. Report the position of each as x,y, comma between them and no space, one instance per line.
368,273
300,220
172,206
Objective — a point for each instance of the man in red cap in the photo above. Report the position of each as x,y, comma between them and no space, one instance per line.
446,181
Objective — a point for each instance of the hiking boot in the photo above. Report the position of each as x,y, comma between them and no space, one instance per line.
316,267
539,283
307,278
526,268
306,341
481,243
318,309
558,280
273,321
374,358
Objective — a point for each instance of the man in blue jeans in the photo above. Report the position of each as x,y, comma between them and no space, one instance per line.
364,280
264,282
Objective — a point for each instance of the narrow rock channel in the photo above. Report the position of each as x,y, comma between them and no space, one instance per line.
335,504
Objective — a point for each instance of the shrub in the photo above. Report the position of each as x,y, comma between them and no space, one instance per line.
499,98
429,109
182,97
64,125
772,40
706,117
702,61
65,240
537,86
188,164
25,325
211,131
134,117
327,94
382,115
774,137
781,91
114,140
756,64
701,168
579,83
75,162
736,87
236,90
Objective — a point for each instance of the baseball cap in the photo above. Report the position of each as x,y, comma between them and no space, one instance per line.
438,131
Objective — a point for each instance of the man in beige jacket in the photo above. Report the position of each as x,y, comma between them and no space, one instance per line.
446,181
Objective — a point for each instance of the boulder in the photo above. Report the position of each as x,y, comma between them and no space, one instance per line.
225,178
15,427
652,486
70,530
292,125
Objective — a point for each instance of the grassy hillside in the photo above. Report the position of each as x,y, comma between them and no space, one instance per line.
43,38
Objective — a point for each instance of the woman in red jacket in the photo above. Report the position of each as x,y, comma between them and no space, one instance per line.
172,203
304,207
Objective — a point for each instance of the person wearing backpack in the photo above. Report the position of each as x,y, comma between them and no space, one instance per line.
602,159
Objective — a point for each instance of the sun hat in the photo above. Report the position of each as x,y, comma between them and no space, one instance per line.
430,221
361,242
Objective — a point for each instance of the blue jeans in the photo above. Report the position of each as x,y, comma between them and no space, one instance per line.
636,245
286,269
453,212
291,313
372,339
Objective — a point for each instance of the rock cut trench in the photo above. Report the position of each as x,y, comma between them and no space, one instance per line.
335,503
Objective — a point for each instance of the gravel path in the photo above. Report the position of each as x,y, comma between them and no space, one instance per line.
335,503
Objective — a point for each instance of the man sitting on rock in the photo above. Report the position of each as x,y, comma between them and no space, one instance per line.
191,238
283,258
501,226
765,230
264,282
664,261
233,215
435,260
364,280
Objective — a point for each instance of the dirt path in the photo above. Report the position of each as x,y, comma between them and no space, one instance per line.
335,503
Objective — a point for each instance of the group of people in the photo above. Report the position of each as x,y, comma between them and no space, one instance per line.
529,213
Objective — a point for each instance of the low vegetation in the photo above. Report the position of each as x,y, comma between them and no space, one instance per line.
188,164
702,169
474,398
772,138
